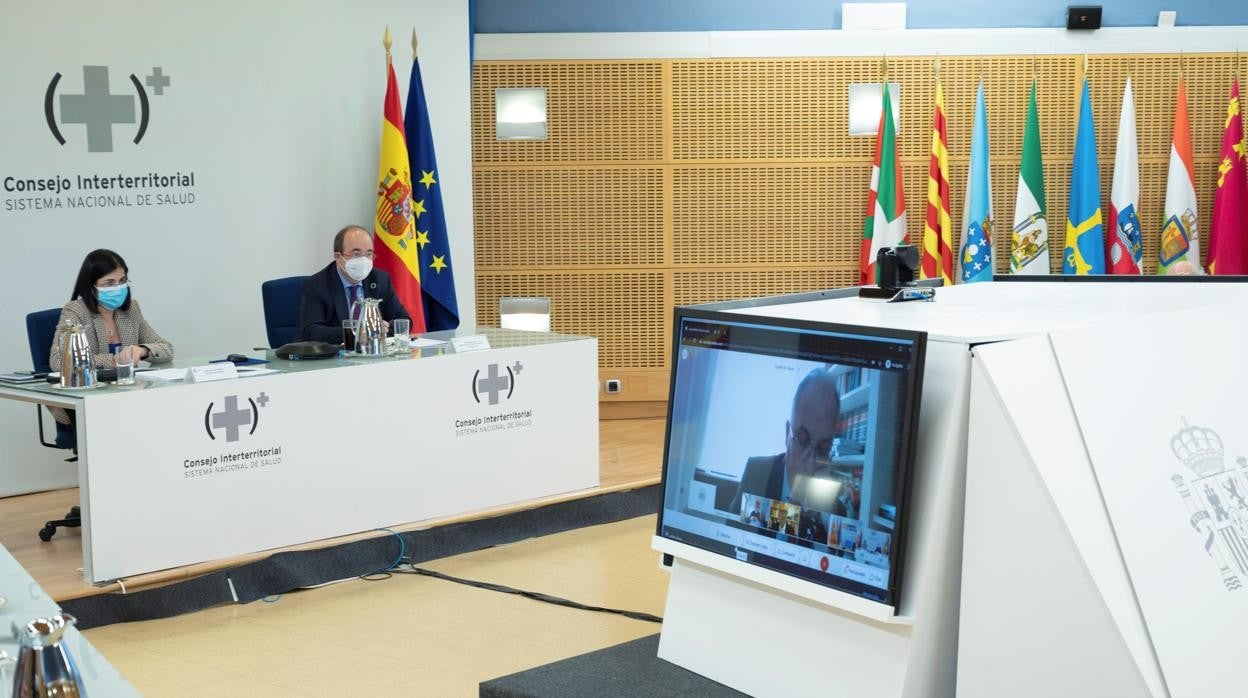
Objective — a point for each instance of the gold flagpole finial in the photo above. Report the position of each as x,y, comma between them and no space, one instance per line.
884,65
413,44
936,66
385,41
1034,70
1085,66
1180,65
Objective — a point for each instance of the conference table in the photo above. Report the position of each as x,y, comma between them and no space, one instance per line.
23,600
179,472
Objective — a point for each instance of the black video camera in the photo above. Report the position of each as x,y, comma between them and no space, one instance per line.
898,266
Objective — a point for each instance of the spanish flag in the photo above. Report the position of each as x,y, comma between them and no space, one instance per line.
394,235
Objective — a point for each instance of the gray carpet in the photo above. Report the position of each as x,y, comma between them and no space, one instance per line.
622,671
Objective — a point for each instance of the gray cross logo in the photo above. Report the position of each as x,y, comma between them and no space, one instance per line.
493,384
518,367
158,81
231,418
262,399
98,109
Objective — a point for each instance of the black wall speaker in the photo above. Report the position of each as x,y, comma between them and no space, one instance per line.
1083,17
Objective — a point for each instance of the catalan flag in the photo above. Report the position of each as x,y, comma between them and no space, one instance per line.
1085,239
885,224
1029,241
1179,251
977,258
1124,249
1228,234
437,280
938,225
393,232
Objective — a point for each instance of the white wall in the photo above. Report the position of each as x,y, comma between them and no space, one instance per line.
276,108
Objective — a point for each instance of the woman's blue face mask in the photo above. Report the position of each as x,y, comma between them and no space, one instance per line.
112,297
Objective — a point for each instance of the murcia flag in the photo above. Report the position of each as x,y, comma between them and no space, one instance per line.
1029,241
977,213
1085,238
1180,242
1124,246
938,225
886,203
1228,233
394,235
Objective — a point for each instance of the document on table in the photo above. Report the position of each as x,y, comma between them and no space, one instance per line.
418,342
245,371
163,375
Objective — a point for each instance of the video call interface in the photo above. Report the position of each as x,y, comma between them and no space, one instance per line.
788,448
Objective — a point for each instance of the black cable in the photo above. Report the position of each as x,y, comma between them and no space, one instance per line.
535,595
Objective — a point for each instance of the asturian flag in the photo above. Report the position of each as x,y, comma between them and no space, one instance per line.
1029,241
885,224
1180,240
977,213
1228,235
938,225
1124,248
437,279
1085,238
394,234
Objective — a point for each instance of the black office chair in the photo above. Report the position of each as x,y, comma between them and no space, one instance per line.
40,329
281,308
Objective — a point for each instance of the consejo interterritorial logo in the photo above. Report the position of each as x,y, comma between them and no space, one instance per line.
99,110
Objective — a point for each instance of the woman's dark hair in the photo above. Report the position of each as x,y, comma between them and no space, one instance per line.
97,264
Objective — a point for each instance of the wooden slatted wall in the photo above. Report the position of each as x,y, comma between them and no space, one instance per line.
668,182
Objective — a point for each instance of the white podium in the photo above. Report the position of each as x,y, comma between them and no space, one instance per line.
1032,596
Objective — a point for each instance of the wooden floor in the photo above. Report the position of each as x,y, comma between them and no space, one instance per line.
631,456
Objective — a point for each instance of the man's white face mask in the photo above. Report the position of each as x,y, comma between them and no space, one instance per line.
359,267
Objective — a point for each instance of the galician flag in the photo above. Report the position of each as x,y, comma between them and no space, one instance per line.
1179,251
1029,241
1228,233
1124,246
394,235
437,280
977,214
1085,239
886,203
938,225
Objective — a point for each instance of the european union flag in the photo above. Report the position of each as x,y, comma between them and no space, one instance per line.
437,280
1085,235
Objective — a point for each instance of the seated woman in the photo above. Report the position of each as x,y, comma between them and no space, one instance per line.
102,303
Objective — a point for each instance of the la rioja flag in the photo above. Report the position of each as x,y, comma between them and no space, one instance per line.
1179,251
885,224
1124,246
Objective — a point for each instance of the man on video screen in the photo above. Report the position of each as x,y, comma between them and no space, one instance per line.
809,434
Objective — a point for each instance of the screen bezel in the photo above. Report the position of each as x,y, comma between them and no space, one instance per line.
912,396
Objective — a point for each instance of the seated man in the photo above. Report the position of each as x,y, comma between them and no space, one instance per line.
808,442
329,294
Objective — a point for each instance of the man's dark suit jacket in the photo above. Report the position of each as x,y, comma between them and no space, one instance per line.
763,476
324,303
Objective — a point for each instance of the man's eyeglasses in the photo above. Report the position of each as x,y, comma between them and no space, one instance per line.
357,254
801,439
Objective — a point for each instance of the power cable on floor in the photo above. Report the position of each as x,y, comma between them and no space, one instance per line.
534,595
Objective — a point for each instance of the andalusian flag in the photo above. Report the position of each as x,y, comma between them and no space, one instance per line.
886,203
938,225
1180,240
394,235
1124,246
1085,240
437,281
1228,235
977,214
1029,241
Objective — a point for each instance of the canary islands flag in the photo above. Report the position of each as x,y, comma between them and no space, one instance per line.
437,281
1085,238
977,213
394,235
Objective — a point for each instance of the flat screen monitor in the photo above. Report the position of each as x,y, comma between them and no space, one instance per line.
789,446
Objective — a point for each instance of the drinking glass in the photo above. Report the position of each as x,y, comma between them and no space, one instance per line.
402,333
125,372
348,334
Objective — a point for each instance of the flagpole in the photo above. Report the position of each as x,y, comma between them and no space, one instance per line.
385,41
413,43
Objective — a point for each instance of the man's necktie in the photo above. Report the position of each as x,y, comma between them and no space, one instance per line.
357,292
